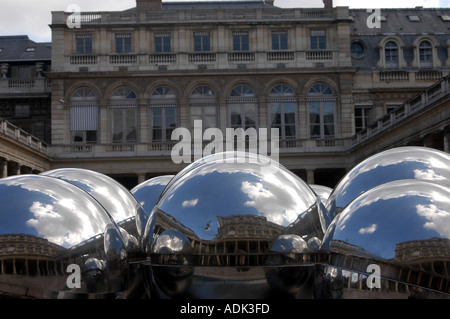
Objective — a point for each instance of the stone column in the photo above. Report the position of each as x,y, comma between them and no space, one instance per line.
3,168
310,176
3,70
428,140
17,168
447,139
141,178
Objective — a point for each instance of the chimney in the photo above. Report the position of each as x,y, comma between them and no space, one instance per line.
148,5
328,3
269,2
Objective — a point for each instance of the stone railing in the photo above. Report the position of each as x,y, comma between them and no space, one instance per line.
187,60
123,59
417,103
186,16
319,55
16,133
280,56
35,85
165,148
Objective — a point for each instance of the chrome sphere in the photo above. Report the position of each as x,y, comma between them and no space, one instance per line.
115,198
57,241
409,162
148,193
401,228
322,191
230,215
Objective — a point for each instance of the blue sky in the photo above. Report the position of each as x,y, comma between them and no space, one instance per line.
31,17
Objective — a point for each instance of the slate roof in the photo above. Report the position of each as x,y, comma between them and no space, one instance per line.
20,48
397,22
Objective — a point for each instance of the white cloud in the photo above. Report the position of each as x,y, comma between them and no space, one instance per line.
190,203
437,219
368,230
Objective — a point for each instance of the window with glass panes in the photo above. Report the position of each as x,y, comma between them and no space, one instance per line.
391,54
201,41
318,40
283,110
163,111
84,43
203,106
242,107
83,116
124,112
425,54
240,41
162,42
362,116
123,42
321,107
279,40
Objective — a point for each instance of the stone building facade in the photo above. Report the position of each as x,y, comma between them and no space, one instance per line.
336,83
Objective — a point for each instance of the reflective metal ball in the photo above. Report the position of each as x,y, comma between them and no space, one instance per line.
233,216
322,191
115,198
147,193
409,162
50,233
401,228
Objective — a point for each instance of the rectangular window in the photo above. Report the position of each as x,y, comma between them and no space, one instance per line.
314,119
84,44
21,111
328,119
162,42
164,121
205,113
124,125
84,123
240,41
123,42
318,40
84,137
362,117
279,40
282,116
201,41
157,127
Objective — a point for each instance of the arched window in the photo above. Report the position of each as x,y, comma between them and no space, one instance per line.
391,54
282,111
163,107
321,107
243,107
124,115
83,116
426,54
203,106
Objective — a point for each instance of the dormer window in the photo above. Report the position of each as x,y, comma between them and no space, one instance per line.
425,52
391,53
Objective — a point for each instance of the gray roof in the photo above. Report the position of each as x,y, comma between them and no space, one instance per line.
20,48
398,22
